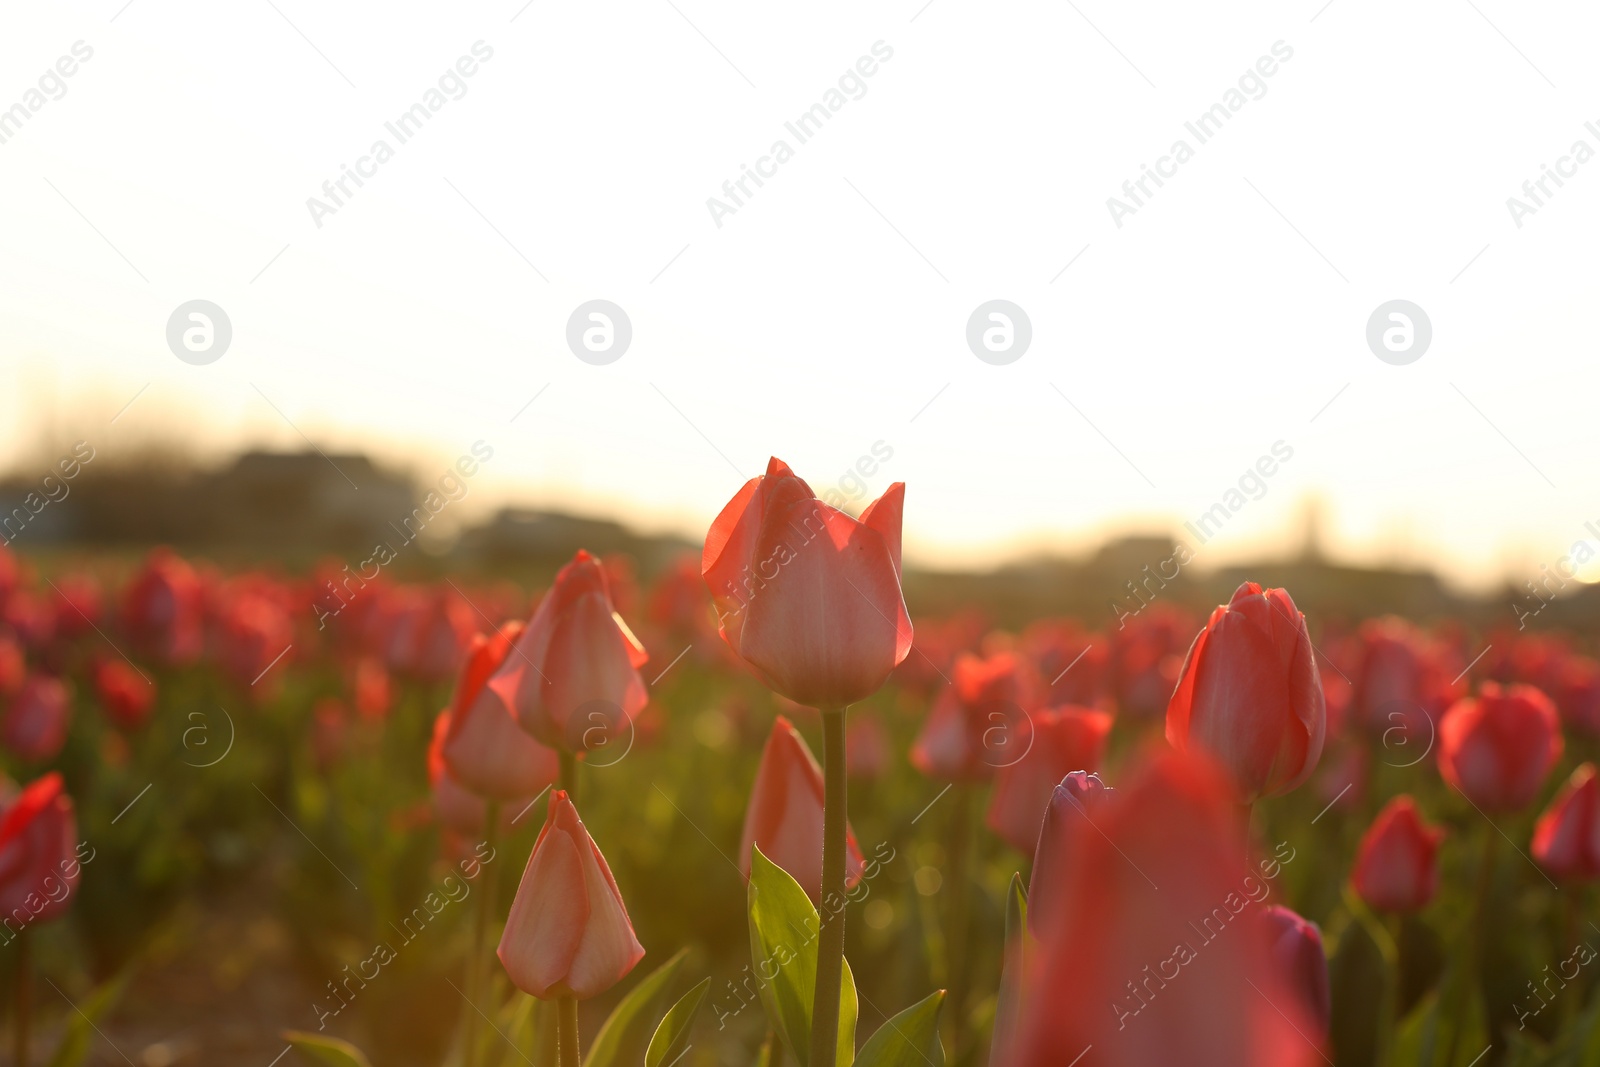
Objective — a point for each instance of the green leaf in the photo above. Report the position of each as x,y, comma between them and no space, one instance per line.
625,1035
328,1050
80,1034
783,947
910,1039
1013,967
672,1036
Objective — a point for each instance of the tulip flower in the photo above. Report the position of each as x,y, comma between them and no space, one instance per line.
568,933
372,693
1080,795
1497,749
1137,962
460,811
1296,947
35,726
1401,677
979,721
163,609
1064,740
1250,696
572,677
126,696
1396,865
13,666
1566,839
808,596
484,748
785,814
39,864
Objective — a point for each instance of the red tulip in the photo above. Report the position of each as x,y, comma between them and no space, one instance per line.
39,862
372,692
77,605
785,813
35,726
1250,695
459,809
1080,795
1497,749
1396,867
1401,675
1296,947
126,696
808,596
1064,740
1566,840
980,720
568,933
13,666
572,678
484,748
163,609
1137,961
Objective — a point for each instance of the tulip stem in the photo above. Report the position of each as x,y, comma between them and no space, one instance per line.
476,965
24,991
830,940
1477,944
569,774
567,1030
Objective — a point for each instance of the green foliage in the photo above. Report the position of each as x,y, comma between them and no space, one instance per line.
910,1039
625,1035
671,1039
327,1050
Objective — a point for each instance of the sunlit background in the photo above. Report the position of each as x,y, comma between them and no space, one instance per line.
827,314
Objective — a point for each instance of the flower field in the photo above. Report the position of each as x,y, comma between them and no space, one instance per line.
754,809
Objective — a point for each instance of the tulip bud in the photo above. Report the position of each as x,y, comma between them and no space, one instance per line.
126,696
1296,948
808,596
35,726
1079,796
1566,840
484,748
38,839
785,814
568,933
1064,740
572,678
1396,868
1250,696
1497,749
979,720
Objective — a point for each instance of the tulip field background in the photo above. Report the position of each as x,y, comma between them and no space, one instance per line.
267,820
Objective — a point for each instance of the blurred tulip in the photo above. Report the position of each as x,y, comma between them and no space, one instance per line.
978,719
330,732
13,667
575,669
39,862
1064,740
1401,677
1250,696
868,751
568,933
1076,662
1146,657
1296,947
808,596
1498,748
1577,695
126,696
484,748
1180,987
163,609
1566,839
785,814
1396,865
77,604
371,692
460,811
1079,796
35,725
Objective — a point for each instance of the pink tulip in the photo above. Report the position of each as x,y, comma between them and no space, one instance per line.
1064,740
1296,947
568,933
572,678
785,814
808,596
484,748
35,726
1250,695
1566,840
1397,861
1080,795
39,863
1497,749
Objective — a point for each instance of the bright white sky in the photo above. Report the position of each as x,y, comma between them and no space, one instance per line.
827,313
